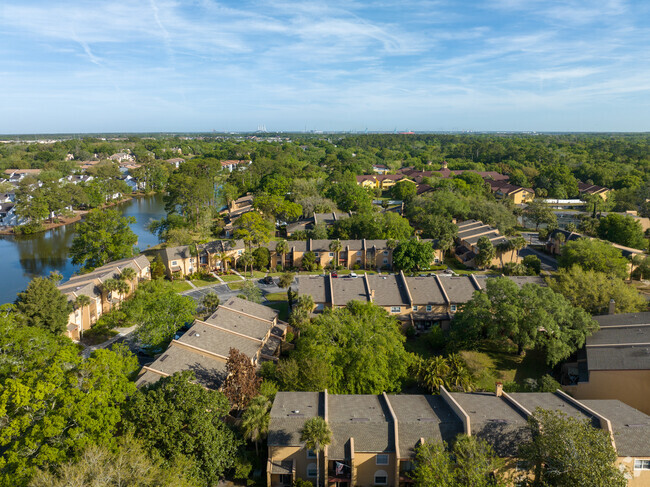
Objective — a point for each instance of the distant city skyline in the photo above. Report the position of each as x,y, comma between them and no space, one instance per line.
74,66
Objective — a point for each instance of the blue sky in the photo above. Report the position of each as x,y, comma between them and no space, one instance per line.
198,65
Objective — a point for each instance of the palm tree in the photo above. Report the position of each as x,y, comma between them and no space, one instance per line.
459,377
108,286
635,261
335,246
79,303
128,275
255,421
433,372
282,249
247,259
316,434
518,243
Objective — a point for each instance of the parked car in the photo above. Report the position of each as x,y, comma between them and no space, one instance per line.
267,280
334,274
353,274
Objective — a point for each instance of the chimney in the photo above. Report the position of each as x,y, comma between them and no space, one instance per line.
612,307
499,389
372,295
444,164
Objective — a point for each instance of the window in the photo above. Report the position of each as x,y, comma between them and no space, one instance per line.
415,308
453,308
395,309
191,260
311,470
641,464
310,453
316,254
385,261
174,262
382,459
428,307
239,252
436,260
381,478
385,252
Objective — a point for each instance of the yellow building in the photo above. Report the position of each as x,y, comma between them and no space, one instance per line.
374,436
615,363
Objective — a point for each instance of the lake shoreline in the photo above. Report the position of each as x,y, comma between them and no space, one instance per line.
78,216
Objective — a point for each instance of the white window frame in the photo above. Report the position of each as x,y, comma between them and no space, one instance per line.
429,308
381,473
239,252
311,473
331,254
395,309
641,464
174,262
311,453
316,254
385,252
415,308
453,308
382,456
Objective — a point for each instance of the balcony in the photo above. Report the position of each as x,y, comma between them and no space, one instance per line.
344,476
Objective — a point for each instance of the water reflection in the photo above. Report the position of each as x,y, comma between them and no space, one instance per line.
22,258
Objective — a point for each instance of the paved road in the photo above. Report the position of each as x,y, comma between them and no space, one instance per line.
548,262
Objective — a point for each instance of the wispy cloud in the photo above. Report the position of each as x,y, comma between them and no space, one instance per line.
225,64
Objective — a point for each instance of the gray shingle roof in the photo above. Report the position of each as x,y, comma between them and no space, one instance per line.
251,308
426,417
495,421
425,290
365,418
552,402
459,289
219,341
209,372
289,413
622,343
348,289
389,290
631,426
315,286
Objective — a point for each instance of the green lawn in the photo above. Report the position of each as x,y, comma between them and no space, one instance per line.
236,286
97,335
204,282
492,363
276,296
180,286
282,307
230,277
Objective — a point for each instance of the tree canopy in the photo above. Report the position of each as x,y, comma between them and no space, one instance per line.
531,316
179,418
566,451
158,311
43,305
359,349
622,229
593,290
413,255
595,255
102,237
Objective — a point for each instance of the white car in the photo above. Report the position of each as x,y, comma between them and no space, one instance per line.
353,274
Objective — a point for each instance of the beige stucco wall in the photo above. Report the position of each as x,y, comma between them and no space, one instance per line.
366,465
299,454
629,386
639,478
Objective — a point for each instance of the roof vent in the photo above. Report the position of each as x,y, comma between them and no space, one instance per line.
162,359
296,411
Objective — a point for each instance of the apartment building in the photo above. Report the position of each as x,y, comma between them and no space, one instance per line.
100,301
251,328
421,301
516,194
470,232
374,436
614,363
328,219
217,255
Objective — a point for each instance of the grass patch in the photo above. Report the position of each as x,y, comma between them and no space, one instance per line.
204,282
282,307
230,277
180,286
494,362
419,346
236,286
277,296
96,335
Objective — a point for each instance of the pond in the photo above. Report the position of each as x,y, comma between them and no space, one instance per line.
23,258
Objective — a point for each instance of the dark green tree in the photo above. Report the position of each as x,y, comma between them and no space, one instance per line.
177,417
102,237
622,229
413,255
43,305
595,255
316,434
361,347
486,253
566,451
